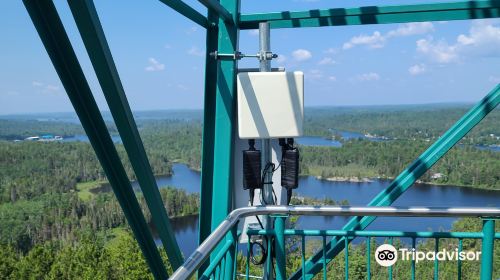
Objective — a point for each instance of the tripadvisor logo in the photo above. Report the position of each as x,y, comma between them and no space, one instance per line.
387,255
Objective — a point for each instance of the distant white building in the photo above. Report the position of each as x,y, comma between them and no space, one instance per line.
437,175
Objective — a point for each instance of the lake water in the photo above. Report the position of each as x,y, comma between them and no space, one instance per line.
318,141
328,142
84,138
304,141
359,194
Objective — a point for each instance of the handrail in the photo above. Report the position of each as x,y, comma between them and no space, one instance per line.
373,233
203,251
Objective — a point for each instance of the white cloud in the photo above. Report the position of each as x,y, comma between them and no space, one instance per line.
438,51
378,40
315,74
417,69
254,32
195,51
409,29
52,88
182,87
482,40
192,30
332,78
368,77
154,65
46,88
301,55
12,93
372,41
331,51
281,59
494,79
327,61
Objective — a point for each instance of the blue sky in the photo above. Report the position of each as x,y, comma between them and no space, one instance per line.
159,55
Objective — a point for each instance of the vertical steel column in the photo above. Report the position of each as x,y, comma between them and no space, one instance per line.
93,37
436,261
207,156
487,249
459,262
51,31
225,121
279,242
413,246
225,103
368,259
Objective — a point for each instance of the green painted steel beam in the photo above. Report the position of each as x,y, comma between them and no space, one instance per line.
216,261
375,15
487,248
186,10
225,120
51,31
216,7
374,233
406,179
280,247
207,158
225,123
87,21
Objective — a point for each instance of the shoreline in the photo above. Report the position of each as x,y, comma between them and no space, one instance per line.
348,179
354,179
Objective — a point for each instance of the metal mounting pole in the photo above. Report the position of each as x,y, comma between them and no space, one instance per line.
267,188
265,66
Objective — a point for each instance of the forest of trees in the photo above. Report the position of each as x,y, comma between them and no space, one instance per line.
41,198
462,166
400,122
55,224
401,269
91,258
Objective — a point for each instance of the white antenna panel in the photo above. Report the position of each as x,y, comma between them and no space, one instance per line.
270,104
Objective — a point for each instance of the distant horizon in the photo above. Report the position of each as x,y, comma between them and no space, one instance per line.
458,103
363,65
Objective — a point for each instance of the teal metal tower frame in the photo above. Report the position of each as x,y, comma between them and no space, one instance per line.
222,23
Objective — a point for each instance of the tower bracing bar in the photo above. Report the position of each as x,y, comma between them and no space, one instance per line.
216,7
186,10
51,31
222,23
375,15
98,50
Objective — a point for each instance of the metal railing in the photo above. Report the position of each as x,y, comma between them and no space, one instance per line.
225,258
369,235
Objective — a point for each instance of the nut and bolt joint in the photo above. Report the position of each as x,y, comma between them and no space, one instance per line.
238,55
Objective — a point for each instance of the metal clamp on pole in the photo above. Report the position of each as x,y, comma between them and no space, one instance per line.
226,56
261,56
266,55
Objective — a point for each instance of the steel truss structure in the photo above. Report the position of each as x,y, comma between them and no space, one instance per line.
222,23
